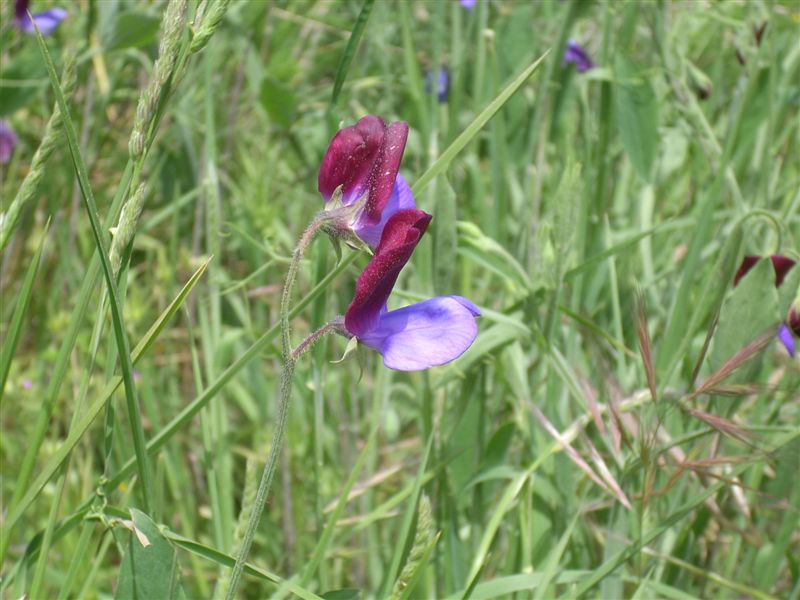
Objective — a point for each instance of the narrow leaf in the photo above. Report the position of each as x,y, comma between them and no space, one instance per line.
637,116
350,49
15,326
100,241
477,124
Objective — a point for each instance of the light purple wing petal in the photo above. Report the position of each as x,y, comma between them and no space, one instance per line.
785,337
46,21
425,334
401,199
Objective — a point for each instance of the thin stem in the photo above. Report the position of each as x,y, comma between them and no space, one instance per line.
283,410
312,339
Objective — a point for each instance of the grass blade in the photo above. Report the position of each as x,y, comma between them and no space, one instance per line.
473,128
350,49
82,427
99,234
15,326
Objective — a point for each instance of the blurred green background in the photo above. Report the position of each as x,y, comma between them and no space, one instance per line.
586,445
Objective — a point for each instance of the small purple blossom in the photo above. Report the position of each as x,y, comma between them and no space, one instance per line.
46,21
26,384
426,334
442,84
8,141
578,56
786,338
469,4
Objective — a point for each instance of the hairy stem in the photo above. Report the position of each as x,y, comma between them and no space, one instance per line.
312,339
283,410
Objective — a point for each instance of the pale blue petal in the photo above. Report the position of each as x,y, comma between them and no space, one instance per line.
401,199
425,334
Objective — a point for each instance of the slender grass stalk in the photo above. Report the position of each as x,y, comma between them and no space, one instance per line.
173,26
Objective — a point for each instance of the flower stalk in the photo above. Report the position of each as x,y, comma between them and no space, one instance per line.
289,360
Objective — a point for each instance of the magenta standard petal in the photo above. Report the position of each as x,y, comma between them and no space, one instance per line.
401,199
350,158
426,334
398,240
785,337
384,170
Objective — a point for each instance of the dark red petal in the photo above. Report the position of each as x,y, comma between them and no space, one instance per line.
350,158
21,8
400,236
747,263
794,320
384,170
782,265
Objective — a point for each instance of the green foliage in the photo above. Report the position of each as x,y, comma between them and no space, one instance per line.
556,195
150,567
637,115
751,311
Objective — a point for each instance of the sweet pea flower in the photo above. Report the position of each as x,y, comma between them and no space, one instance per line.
46,21
8,141
781,265
574,53
426,334
363,161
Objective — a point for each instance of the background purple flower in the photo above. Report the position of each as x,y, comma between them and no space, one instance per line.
469,4
785,336
8,141
578,56
46,21
442,84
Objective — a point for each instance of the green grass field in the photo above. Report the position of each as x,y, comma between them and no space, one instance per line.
625,425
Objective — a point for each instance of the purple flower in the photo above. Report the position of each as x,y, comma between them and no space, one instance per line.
785,337
46,21
469,4
364,160
781,265
8,141
416,337
577,55
442,84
